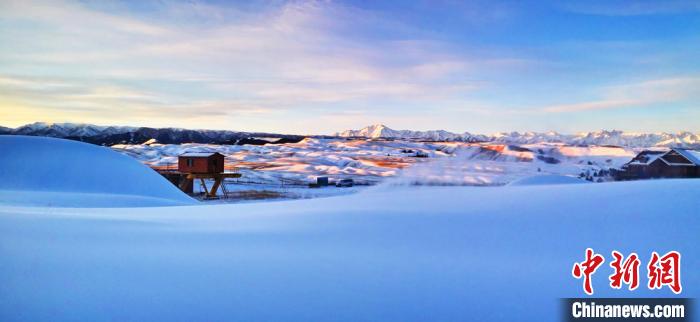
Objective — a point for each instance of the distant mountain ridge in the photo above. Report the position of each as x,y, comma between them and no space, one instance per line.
617,138
382,131
111,135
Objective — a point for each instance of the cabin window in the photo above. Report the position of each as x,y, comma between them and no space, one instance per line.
190,162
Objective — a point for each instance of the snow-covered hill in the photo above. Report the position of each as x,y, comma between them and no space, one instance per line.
62,173
298,163
617,138
400,254
410,162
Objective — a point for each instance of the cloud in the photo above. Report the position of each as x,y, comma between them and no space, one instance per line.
61,13
244,65
56,99
189,54
639,94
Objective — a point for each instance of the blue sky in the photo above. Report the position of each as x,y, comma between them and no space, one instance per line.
324,66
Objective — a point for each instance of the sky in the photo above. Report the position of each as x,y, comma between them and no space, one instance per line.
319,67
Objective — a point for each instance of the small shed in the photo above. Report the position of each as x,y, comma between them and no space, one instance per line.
201,162
322,181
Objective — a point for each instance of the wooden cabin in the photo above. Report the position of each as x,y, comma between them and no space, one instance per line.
201,162
674,163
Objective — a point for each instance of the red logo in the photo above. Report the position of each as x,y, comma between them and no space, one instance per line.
627,271
665,271
662,270
586,268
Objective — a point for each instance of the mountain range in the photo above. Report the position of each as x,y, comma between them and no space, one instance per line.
616,138
110,135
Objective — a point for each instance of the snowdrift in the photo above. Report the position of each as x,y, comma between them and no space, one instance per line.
43,171
411,254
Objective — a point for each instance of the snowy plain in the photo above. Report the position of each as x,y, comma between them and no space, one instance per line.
389,252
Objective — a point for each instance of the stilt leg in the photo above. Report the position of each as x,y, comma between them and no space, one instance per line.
204,185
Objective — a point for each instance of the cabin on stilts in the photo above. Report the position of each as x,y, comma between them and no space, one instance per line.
203,166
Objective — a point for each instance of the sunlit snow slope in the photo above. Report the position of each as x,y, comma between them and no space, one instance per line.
43,171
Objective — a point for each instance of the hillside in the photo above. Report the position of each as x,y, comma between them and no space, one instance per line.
53,172
407,161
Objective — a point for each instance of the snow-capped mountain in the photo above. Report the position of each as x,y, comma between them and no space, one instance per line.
382,131
62,130
616,138
110,135
638,139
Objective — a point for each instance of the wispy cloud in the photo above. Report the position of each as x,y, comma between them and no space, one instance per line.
253,66
640,94
283,57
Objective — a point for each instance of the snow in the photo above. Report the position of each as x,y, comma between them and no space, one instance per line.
296,163
374,162
42,171
647,157
499,164
600,138
692,155
377,131
197,154
82,200
69,129
547,180
393,254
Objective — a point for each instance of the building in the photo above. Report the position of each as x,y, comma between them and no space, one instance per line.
322,181
201,162
207,166
674,163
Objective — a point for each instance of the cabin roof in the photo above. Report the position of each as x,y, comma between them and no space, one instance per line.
692,155
651,156
198,154
646,157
